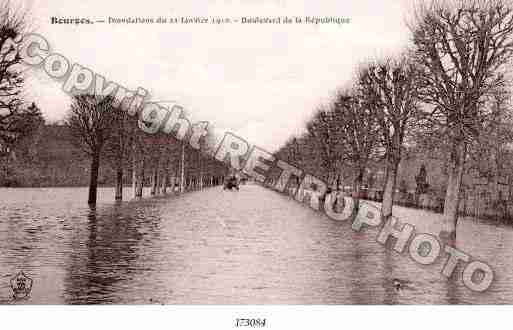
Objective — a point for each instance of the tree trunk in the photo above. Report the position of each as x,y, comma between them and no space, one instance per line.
358,187
165,180
140,181
160,181
154,179
93,182
134,176
182,169
357,184
452,196
119,184
201,175
389,190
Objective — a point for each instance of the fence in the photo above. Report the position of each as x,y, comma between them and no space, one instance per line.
477,203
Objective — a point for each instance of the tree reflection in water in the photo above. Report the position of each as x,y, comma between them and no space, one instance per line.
107,255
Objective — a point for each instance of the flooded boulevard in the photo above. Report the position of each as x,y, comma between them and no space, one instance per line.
213,246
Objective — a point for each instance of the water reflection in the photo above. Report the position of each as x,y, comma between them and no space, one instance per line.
392,285
106,254
248,247
366,260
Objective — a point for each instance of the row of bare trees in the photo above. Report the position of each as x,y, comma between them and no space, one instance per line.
449,91
109,133
105,133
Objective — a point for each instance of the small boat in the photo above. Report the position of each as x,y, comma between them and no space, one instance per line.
231,182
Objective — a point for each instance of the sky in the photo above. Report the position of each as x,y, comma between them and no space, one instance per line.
261,82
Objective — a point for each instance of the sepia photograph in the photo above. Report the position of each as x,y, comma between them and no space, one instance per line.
256,153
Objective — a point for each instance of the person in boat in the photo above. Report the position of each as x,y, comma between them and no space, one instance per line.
231,182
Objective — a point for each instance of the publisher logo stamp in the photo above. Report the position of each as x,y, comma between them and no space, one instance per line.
21,286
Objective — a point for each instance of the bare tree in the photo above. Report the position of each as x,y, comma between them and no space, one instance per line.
389,86
341,136
322,131
119,148
356,133
12,26
489,154
462,50
90,121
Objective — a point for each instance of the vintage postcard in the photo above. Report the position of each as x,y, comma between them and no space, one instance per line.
240,152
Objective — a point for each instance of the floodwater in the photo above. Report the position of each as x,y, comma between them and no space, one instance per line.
222,247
